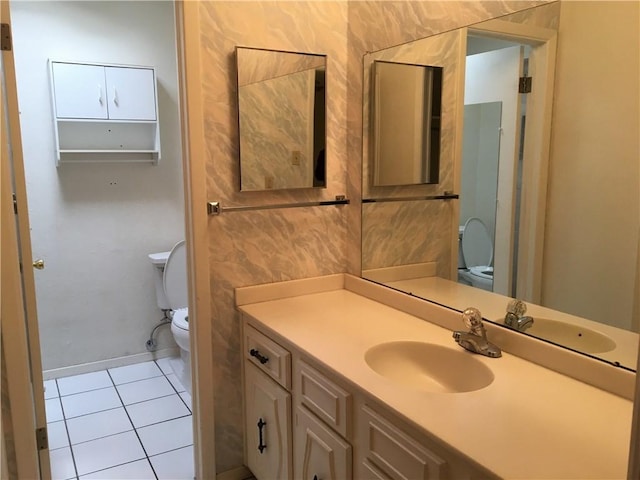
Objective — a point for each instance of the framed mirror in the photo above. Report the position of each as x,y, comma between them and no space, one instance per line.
563,235
281,119
406,108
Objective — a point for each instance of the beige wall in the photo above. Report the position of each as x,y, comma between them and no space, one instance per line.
265,246
591,242
249,248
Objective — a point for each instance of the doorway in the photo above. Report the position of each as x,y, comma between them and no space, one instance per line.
94,224
492,117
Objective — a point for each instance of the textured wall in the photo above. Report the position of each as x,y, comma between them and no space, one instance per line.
256,247
249,248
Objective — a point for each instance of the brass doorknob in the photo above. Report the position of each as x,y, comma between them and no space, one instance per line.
39,264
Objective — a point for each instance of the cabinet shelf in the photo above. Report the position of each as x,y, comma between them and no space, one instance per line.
104,113
106,151
102,120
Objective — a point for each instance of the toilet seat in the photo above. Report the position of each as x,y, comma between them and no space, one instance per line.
482,272
181,318
175,286
175,277
477,248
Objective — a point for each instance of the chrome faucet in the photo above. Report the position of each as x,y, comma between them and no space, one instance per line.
515,317
475,340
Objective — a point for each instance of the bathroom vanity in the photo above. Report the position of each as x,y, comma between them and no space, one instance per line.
338,384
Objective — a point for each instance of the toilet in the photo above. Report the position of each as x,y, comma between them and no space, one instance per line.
172,294
475,255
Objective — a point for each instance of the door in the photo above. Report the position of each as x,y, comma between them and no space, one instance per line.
19,328
493,77
80,90
320,453
131,93
267,426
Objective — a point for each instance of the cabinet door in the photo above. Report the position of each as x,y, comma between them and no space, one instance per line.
320,454
79,90
391,453
131,93
267,426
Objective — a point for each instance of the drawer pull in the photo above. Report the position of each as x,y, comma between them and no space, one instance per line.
315,477
255,353
261,446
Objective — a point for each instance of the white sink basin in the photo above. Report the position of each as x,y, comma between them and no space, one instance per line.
429,367
572,336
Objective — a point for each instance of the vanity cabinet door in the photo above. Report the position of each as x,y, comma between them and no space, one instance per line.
390,453
320,453
267,426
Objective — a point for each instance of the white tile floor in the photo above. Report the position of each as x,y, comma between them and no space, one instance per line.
130,422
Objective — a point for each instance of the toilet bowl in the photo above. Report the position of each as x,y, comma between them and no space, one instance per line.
476,251
173,296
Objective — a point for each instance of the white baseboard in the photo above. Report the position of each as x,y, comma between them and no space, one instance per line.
109,363
240,473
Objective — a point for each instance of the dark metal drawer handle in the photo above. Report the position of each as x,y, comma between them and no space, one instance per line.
261,446
261,358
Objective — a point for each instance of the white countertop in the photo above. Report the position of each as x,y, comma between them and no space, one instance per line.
530,422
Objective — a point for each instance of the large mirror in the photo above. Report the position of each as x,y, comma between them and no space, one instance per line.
282,119
555,221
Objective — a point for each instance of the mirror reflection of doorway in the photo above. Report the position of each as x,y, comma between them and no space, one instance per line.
491,151
480,162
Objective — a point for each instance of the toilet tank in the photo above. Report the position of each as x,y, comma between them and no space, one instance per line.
159,260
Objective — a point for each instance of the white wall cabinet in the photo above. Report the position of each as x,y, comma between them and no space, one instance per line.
104,112
338,432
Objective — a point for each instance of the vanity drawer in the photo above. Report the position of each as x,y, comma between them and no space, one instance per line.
395,454
268,356
323,397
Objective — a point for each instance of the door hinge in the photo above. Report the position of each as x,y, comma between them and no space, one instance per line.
524,85
15,204
5,36
42,440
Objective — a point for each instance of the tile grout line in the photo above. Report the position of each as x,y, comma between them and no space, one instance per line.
174,387
135,431
66,429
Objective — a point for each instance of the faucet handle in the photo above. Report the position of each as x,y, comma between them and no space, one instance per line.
472,318
517,307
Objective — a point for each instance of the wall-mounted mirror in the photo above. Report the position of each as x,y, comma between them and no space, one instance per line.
406,123
282,119
561,235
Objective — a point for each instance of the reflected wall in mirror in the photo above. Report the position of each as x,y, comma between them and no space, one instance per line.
579,271
406,123
282,118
